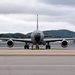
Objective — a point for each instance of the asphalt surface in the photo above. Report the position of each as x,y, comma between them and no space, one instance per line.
37,65
22,52
56,61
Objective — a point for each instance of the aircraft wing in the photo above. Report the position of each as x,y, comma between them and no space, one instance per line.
15,39
29,40
23,40
58,39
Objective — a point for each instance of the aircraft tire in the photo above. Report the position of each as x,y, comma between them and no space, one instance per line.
48,47
26,47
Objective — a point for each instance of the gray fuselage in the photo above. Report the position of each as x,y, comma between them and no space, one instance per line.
37,37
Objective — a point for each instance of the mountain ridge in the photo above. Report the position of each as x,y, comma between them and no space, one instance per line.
48,33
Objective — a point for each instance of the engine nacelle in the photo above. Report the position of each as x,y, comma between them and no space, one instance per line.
64,44
10,43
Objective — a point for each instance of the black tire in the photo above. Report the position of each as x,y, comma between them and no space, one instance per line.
26,47
48,47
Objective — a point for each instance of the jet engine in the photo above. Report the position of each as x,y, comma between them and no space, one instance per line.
10,43
64,44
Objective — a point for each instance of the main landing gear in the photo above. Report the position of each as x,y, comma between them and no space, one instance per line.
26,46
48,46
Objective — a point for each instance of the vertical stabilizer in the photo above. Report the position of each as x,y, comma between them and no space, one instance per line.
37,21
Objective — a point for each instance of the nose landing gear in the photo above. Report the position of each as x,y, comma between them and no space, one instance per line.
37,46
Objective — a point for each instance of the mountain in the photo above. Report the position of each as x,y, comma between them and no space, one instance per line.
47,33
12,35
59,33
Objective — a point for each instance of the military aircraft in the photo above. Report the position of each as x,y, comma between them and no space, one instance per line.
37,38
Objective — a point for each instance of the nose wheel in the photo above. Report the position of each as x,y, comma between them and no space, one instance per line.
37,46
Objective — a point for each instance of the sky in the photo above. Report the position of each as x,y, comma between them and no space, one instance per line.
21,15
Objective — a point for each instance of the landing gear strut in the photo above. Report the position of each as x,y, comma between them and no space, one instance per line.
48,46
26,46
37,46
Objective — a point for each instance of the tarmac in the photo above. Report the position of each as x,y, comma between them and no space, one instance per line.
19,61
21,51
37,65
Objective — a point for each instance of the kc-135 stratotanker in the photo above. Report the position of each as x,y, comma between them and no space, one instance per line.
37,38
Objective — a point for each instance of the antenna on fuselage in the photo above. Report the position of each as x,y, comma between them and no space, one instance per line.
37,21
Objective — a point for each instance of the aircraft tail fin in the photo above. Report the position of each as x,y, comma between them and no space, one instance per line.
37,21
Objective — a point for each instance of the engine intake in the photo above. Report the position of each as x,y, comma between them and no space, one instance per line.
64,44
10,43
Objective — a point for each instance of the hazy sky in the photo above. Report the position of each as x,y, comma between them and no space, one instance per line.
20,15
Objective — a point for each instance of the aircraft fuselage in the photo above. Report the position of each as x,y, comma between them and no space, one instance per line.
37,37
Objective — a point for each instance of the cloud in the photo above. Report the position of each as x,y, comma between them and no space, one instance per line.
20,15
60,2
25,23
16,6
33,7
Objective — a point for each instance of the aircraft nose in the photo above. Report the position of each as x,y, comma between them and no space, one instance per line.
37,37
